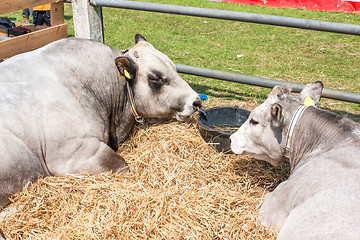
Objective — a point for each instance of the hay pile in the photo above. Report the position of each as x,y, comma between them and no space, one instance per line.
179,188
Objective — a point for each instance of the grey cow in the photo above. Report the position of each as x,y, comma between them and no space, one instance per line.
65,107
321,198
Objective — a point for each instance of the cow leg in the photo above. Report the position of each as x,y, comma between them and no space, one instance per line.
89,155
18,166
273,212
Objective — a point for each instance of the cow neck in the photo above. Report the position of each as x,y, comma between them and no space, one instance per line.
294,120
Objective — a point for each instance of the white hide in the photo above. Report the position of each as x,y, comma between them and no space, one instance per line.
321,198
65,108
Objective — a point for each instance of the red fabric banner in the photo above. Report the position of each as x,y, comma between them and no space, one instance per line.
347,6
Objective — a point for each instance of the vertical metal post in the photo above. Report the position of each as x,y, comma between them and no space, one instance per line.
88,20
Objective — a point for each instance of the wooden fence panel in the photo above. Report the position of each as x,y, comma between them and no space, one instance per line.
7,6
36,39
31,41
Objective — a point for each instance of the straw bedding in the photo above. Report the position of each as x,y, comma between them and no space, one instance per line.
179,188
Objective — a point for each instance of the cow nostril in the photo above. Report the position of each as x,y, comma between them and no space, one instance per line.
197,104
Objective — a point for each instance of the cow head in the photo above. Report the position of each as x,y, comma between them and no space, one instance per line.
263,135
158,89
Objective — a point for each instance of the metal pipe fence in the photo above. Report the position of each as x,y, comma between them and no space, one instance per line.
244,17
263,82
232,15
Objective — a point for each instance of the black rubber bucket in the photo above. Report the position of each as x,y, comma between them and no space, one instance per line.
217,124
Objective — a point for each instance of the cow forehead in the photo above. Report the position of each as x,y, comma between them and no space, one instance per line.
284,98
262,109
145,49
146,55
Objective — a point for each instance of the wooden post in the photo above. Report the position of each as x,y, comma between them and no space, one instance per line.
57,13
87,20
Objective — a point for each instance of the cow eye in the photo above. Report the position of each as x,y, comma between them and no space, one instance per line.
157,78
253,122
156,81
154,78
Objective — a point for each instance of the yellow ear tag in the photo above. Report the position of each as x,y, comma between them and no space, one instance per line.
121,76
309,102
127,74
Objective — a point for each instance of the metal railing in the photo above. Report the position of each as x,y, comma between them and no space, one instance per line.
244,17
232,15
263,82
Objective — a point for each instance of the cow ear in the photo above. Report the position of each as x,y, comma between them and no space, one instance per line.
278,91
311,93
139,38
277,115
127,68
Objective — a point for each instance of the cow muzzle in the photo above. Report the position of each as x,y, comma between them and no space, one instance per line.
189,109
235,146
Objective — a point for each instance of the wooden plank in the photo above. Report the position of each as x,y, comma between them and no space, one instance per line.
57,13
31,41
7,6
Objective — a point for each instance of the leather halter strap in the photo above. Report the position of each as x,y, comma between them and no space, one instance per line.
138,118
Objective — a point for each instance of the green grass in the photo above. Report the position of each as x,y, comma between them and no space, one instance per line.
286,54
